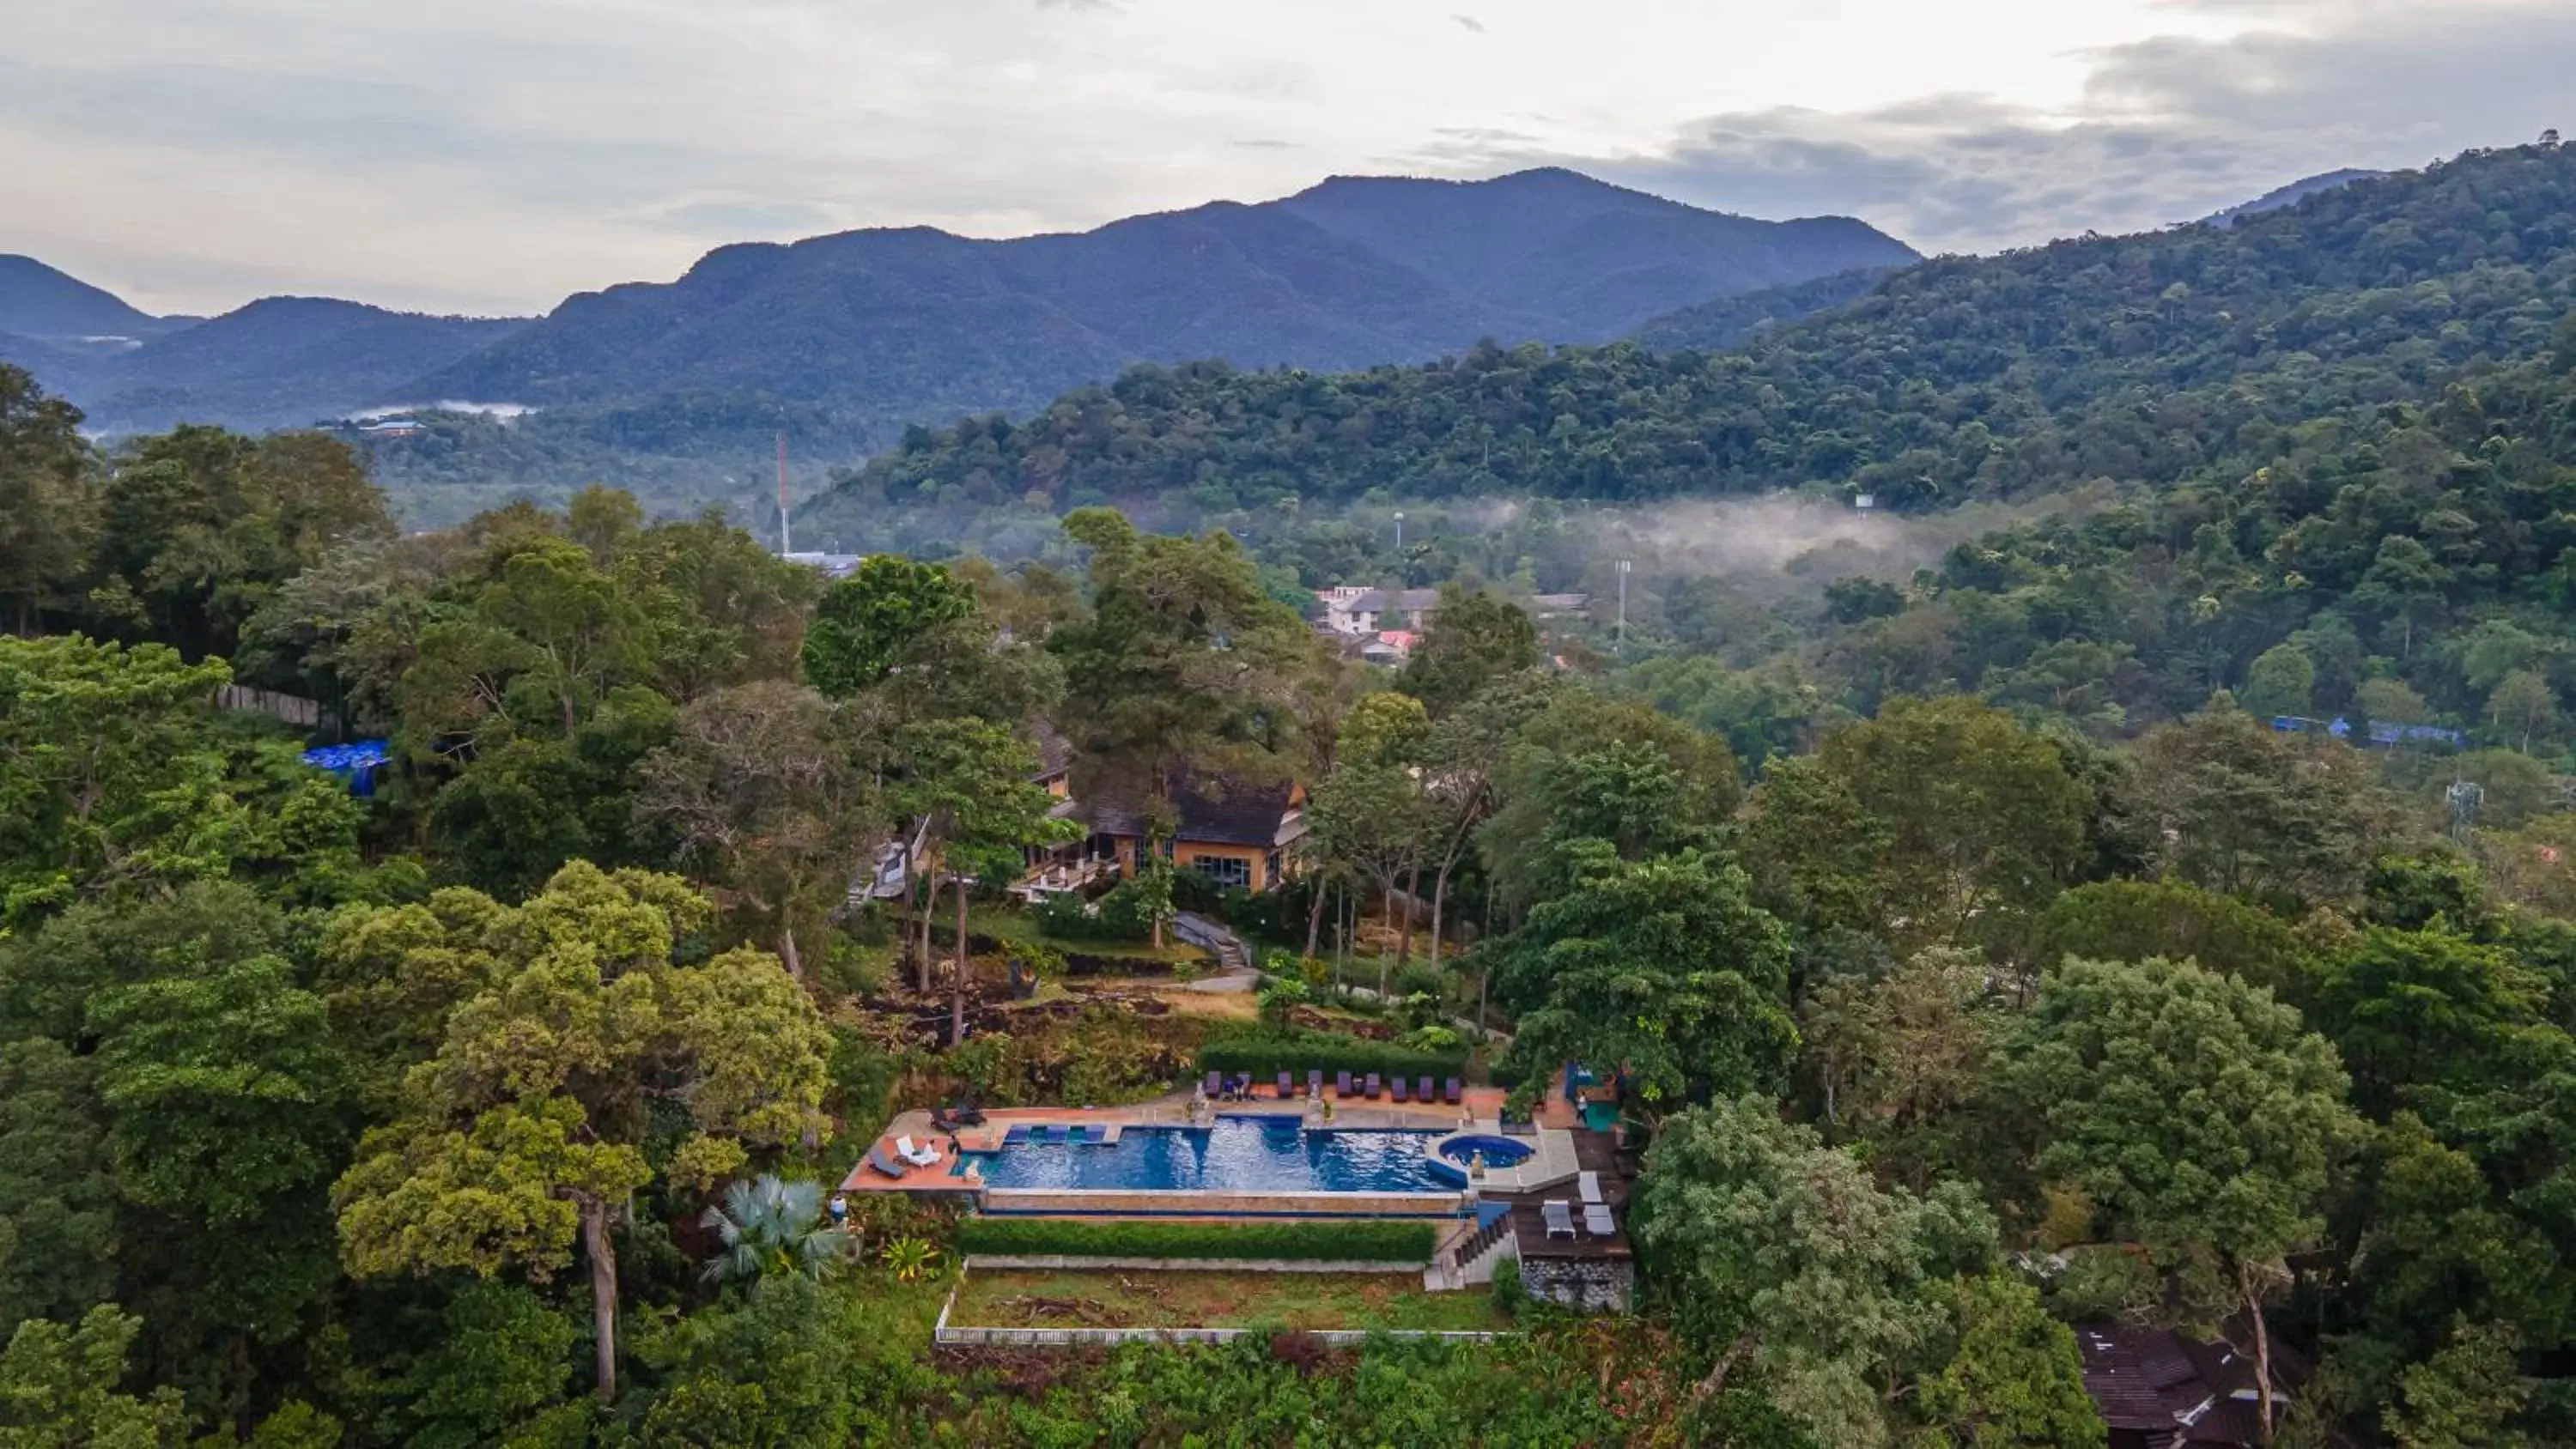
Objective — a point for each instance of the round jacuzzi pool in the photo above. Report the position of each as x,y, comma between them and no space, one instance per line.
1497,1151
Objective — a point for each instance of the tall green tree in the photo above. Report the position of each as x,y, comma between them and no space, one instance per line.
2196,1110
2016,1379
1474,640
200,526
2245,811
526,1130
871,623
1786,1259
974,785
48,510
1982,820
1185,668
60,1389
1661,969
116,779
763,790
57,1195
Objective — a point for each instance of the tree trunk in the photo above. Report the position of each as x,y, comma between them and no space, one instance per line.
1715,1383
1484,982
2262,1354
1412,893
957,987
929,913
1386,922
1315,921
1439,902
603,1290
787,953
903,936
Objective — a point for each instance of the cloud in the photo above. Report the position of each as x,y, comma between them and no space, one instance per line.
496,154
2165,129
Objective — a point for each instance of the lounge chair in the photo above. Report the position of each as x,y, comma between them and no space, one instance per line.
1453,1091
1314,1086
1591,1185
1214,1087
1243,1086
1287,1086
1422,1090
940,1119
1372,1091
1342,1084
1560,1219
1397,1092
967,1114
878,1160
919,1154
1598,1222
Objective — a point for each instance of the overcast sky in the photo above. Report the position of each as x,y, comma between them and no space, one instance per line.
493,155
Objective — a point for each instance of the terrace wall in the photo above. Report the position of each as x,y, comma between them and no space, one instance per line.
1592,1285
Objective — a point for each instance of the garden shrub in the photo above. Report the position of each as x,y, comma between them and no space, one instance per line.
1268,1053
1360,1242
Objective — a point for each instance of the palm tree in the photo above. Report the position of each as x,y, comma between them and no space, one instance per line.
771,1229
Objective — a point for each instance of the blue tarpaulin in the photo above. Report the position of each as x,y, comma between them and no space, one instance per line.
355,763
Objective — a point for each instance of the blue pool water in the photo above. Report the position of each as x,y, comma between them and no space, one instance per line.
1238,1154
1497,1151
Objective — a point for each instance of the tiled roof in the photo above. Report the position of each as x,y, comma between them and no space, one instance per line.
1379,601
1055,752
2155,1381
1213,812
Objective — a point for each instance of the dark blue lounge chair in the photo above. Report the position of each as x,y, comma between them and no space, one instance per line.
1453,1091
1373,1088
1287,1087
1342,1084
1214,1087
1397,1091
1422,1090
878,1160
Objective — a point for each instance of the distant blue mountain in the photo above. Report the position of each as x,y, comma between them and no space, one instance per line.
2290,195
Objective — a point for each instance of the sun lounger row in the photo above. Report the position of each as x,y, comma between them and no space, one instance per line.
1559,1216
1237,1086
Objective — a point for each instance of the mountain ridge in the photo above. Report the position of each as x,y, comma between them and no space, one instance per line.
1350,272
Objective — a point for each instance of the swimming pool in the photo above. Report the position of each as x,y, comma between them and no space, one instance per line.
1496,1151
1238,1154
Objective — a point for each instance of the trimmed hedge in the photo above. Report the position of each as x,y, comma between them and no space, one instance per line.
1354,1242
1268,1054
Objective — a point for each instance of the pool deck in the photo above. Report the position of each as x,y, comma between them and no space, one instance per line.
1552,1157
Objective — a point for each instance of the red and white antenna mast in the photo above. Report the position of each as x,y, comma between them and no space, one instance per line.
785,546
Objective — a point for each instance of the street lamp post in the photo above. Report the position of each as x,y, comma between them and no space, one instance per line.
1399,532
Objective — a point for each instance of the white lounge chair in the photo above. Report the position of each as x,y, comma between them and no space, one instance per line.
1560,1219
1597,1221
1591,1185
918,1154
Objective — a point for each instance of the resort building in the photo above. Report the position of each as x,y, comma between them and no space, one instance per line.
1357,612
2157,1389
1241,836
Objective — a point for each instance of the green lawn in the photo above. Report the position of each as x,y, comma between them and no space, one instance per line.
1007,925
1115,1298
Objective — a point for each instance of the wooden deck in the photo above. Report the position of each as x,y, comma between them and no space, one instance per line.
1595,1152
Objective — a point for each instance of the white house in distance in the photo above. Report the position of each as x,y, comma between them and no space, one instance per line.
1359,613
